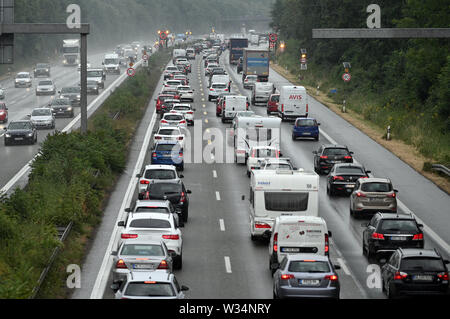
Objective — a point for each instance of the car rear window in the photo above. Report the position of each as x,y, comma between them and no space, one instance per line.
160,173
308,123
149,223
173,117
405,225
309,266
168,148
42,112
335,152
19,126
141,250
219,86
46,83
286,201
182,108
141,289
376,187
422,264
275,98
349,170
164,189
168,132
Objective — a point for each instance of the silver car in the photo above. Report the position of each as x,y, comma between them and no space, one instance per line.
46,87
43,118
142,255
306,276
250,81
23,79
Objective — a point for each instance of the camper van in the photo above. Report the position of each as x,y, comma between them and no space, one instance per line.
254,130
293,103
276,193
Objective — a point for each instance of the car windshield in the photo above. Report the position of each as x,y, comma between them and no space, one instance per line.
70,90
305,122
335,152
23,76
20,126
398,225
61,102
376,187
45,83
162,210
309,266
349,170
422,263
95,74
111,61
149,223
141,250
141,289
41,112
161,189
167,148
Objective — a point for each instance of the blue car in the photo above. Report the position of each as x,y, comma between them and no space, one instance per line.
305,127
168,153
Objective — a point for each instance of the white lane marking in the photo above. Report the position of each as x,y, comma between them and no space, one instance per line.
218,196
222,224
215,174
228,264
343,266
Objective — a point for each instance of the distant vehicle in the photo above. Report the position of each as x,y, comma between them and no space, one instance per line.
329,155
170,133
46,87
3,113
306,127
178,53
231,105
157,172
88,65
216,89
43,118
172,84
168,153
250,81
187,110
62,107
71,52
97,75
167,105
160,100
23,79
220,78
73,93
343,177
42,69
293,102
173,119
186,93
272,104
111,63
93,87
190,52
237,46
258,154
20,132
2,93
261,92
256,62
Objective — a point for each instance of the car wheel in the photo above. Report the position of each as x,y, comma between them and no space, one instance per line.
274,295
6,143
390,292
364,251
331,191
178,262
253,237
185,216
352,212
317,138
293,137
248,174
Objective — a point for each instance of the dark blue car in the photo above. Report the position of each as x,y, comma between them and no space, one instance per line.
306,127
168,153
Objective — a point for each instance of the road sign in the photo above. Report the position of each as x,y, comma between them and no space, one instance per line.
304,67
346,77
145,57
145,63
273,37
131,72
131,64
303,60
163,36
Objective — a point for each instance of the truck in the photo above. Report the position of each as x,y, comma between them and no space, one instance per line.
237,46
71,52
256,62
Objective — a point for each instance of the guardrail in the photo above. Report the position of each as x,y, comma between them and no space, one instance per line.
441,168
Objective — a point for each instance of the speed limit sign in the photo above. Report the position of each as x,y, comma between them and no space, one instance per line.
131,72
346,77
145,57
273,37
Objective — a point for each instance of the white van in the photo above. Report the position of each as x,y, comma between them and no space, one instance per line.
220,78
275,193
254,130
232,105
293,102
261,92
111,63
298,235
190,52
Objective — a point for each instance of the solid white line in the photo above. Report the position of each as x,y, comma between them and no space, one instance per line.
343,266
218,196
215,174
222,224
228,265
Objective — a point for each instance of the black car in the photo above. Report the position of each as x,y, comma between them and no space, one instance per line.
73,93
61,107
173,191
343,178
20,132
42,69
415,272
93,87
387,232
328,155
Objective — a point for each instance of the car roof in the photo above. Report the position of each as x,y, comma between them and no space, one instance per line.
154,203
298,257
150,215
154,166
417,252
375,180
395,216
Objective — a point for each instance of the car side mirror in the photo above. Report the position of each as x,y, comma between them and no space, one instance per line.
128,210
189,191
352,153
330,234
140,196
395,191
184,288
318,124
5,128
383,261
172,254
243,197
281,154
121,224
368,172
420,225
114,253
315,152
29,115
446,261
336,267
138,175
115,287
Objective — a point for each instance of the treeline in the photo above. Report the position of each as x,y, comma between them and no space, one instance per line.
404,83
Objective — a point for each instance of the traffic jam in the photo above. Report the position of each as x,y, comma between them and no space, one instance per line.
282,198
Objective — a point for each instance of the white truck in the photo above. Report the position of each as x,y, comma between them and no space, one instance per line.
275,193
71,52
111,63
254,130
293,103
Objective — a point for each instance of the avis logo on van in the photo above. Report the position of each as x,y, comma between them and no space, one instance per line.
295,97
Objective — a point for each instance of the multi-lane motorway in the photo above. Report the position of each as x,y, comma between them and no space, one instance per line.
219,259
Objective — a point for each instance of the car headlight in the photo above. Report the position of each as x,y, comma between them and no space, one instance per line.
69,109
8,135
30,134
78,96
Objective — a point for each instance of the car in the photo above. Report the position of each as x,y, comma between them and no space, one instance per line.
173,119
42,69
183,78
283,164
272,105
168,71
3,113
23,79
343,177
46,87
167,105
168,153
140,254
306,276
386,232
258,154
174,191
43,118
186,110
97,74
172,84
88,64
20,132
61,107
305,127
328,155
2,93
149,285
93,87
411,271
372,195
186,93
210,67
73,93
155,226
181,68
157,206
175,94
160,99
216,89
250,81
170,133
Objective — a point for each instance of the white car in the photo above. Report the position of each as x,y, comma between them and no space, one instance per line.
173,119
216,89
157,172
88,66
170,133
155,226
23,79
43,118
258,154
186,93
186,110
210,67
172,84
250,81
46,87
277,164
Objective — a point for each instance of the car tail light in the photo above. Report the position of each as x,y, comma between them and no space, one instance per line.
324,157
378,236
211,90
287,277
327,244
183,122
418,236
190,112
144,182
180,154
393,195
443,276
400,275
173,237
226,90
129,236
158,137
183,197
121,264
338,178
275,242
164,122
347,157
358,194
154,154
253,154
331,278
262,225
180,138
282,108
163,265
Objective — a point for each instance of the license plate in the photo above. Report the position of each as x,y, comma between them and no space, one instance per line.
398,238
143,266
309,282
306,133
350,186
423,278
167,155
19,138
290,250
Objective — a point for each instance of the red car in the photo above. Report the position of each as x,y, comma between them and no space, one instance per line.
161,98
272,105
3,113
